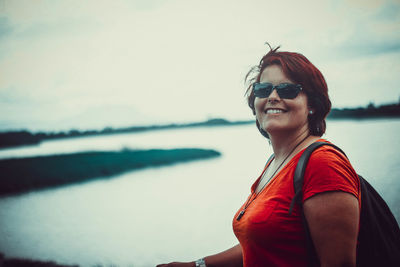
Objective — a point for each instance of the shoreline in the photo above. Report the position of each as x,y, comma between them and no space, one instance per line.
19,175
12,262
15,138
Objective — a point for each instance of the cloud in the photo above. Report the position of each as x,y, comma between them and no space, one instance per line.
375,30
362,80
5,28
371,48
175,60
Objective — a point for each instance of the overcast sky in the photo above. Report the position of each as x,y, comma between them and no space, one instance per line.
91,64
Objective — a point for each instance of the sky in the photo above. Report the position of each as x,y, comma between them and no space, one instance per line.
92,64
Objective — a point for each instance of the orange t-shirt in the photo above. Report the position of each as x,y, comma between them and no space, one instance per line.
268,235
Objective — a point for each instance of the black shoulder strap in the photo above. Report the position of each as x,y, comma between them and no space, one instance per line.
298,197
379,234
300,170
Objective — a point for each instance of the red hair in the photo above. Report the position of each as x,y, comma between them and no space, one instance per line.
300,70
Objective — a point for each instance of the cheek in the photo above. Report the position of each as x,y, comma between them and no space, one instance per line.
258,105
301,104
301,110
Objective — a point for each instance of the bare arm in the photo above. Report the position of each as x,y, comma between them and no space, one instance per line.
333,219
229,258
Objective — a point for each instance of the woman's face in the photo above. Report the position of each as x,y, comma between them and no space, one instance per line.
276,115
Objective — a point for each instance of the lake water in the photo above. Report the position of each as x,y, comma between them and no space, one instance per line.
179,212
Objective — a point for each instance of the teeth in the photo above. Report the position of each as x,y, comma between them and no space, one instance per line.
274,111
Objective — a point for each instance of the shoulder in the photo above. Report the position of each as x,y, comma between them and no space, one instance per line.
329,170
328,156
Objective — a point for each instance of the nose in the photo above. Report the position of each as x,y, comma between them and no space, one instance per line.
274,97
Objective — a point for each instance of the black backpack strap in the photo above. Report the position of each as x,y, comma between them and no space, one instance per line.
379,233
298,178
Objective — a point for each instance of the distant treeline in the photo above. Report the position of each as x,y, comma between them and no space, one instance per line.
18,262
24,174
384,111
19,138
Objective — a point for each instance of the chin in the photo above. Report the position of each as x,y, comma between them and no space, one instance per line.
274,123
272,128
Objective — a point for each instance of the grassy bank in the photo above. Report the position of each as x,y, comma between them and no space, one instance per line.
24,174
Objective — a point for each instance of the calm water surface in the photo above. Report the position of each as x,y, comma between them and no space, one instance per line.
178,212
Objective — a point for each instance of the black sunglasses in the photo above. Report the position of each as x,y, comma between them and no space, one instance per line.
284,90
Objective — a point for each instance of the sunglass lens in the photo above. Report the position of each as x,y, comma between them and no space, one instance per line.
262,90
288,91
284,90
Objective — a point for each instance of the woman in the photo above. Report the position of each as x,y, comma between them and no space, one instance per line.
289,98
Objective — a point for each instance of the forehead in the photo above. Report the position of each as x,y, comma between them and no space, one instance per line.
274,74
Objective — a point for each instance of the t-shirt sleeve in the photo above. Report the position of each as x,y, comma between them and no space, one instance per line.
329,170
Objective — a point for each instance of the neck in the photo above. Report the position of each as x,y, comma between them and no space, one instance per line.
283,143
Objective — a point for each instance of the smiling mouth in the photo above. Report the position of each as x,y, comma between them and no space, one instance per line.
274,111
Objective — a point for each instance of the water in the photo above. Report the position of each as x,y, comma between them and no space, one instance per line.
180,212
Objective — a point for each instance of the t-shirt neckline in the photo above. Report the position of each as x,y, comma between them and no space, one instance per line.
298,154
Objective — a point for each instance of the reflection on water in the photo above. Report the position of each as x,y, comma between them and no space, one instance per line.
180,212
